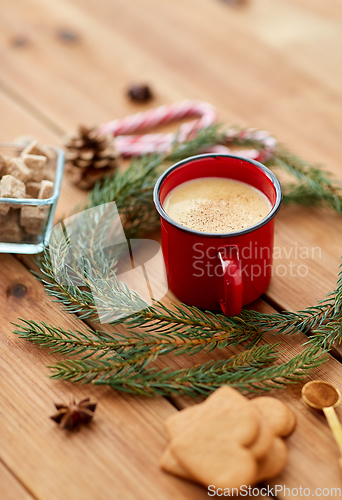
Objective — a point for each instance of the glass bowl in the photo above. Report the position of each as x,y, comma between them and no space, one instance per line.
28,231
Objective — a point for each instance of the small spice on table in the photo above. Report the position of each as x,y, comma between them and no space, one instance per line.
75,414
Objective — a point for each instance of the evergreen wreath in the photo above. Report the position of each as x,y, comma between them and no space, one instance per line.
126,362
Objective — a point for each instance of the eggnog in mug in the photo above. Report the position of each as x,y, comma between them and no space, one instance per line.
216,205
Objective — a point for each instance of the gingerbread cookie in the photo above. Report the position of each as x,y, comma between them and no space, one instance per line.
280,417
209,442
224,399
169,463
274,462
264,441
213,448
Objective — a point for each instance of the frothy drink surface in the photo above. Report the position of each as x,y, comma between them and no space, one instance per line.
216,205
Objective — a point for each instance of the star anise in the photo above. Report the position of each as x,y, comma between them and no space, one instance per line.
75,414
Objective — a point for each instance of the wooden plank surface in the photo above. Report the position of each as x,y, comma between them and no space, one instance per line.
10,487
257,72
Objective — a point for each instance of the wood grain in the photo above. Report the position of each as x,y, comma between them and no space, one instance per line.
10,487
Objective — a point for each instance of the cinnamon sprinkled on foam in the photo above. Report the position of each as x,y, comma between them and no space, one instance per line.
216,205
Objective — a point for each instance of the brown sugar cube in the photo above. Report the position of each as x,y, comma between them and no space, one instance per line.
34,148
32,189
4,208
17,168
35,164
49,174
14,234
10,187
46,190
33,218
10,230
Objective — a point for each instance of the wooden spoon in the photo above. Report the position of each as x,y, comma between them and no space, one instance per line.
324,396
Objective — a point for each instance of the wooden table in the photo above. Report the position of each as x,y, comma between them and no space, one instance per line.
266,64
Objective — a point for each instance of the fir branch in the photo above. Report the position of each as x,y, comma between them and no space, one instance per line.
290,323
245,372
327,335
204,139
189,322
125,184
132,191
75,300
63,341
109,371
322,320
315,185
133,188
182,331
119,305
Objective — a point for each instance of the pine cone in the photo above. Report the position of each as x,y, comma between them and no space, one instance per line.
90,157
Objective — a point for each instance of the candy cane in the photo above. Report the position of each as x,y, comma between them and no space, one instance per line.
261,137
169,113
136,145
129,145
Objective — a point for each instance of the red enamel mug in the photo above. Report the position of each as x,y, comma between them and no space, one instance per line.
215,270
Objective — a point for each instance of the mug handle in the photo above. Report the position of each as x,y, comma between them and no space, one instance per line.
231,304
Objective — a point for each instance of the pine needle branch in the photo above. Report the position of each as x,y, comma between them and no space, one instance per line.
249,325
328,335
314,186
245,372
183,331
109,370
289,323
75,300
205,138
189,321
321,322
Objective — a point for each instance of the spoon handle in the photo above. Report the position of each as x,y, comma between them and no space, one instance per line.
335,427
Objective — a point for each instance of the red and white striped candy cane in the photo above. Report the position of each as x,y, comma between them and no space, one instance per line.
136,145
131,145
261,137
